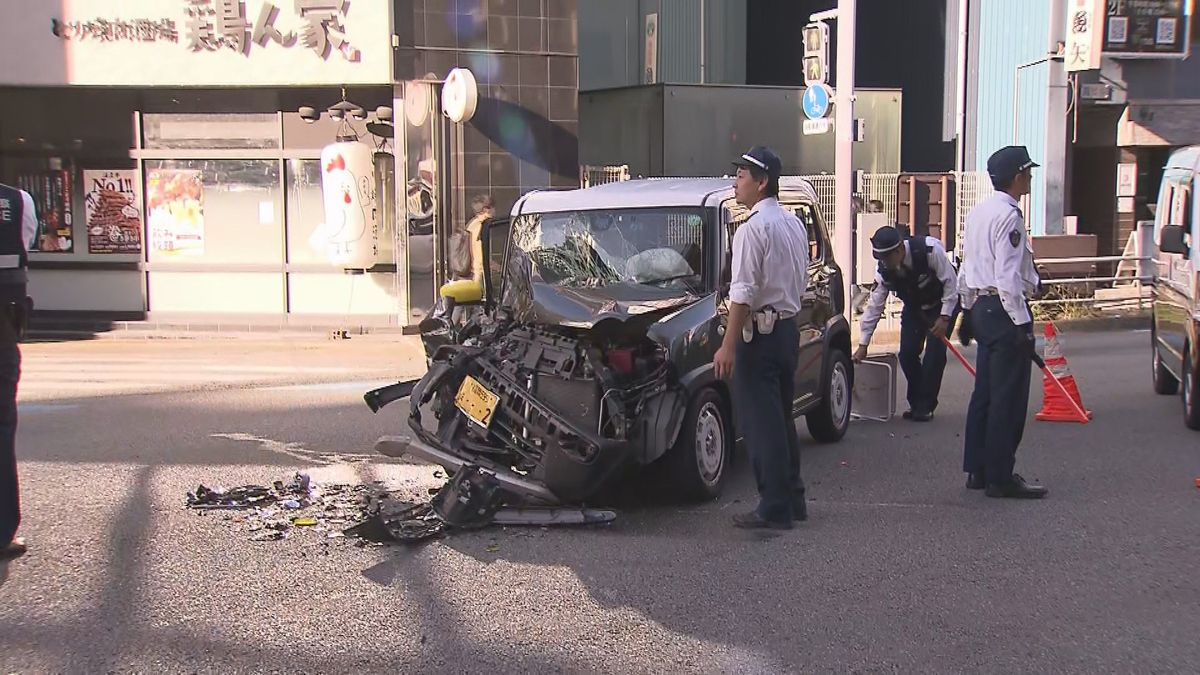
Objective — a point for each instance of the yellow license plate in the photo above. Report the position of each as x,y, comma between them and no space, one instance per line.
476,402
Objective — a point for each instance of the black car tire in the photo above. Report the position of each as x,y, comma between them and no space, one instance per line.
697,464
1164,382
1191,391
830,420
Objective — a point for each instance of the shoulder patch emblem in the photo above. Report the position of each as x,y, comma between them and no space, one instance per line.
1014,238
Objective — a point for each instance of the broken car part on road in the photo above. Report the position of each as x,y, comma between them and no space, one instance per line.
374,513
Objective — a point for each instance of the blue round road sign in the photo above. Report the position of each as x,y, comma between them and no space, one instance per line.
816,101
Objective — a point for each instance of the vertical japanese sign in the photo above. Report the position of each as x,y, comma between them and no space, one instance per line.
1085,35
112,212
651,50
175,208
51,192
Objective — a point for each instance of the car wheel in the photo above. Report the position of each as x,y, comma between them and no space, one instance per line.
696,465
1164,382
1191,412
829,422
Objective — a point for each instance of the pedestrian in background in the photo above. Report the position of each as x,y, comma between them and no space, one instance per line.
18,227
761,346
998,278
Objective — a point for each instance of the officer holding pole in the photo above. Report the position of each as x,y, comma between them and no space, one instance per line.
919,272
997,278
761,347
18,227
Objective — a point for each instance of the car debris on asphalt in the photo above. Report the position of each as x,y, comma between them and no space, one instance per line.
373,514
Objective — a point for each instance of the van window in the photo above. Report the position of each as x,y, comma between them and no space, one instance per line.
1181,207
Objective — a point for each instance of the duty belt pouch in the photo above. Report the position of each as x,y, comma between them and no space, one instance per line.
764,320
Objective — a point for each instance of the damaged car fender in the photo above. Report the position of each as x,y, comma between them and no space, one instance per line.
689,335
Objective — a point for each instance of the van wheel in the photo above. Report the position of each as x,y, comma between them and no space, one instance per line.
829,422
1191,391
1164,382
696,465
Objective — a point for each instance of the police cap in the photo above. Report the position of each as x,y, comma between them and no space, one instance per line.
762,158
1007,162
885,240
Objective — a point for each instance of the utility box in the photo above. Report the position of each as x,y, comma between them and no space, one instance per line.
925,204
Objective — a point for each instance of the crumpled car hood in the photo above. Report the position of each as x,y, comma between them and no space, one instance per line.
586,307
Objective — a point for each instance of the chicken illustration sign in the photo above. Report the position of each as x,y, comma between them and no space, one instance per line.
350,233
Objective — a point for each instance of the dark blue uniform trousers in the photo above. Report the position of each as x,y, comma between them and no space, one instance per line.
764,389
10,373
924,375
1000,402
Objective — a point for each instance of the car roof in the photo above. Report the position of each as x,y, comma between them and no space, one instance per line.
1185,158
646,193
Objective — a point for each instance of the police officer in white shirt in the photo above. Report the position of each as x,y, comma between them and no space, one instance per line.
998,276
919,272
761,346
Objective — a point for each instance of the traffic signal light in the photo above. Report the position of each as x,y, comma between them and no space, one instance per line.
816,53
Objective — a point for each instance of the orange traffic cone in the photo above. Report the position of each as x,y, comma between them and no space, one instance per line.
1055,407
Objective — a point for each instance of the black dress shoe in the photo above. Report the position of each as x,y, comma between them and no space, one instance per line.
15,549
752,521
907,415
919,416
1016,488
976,481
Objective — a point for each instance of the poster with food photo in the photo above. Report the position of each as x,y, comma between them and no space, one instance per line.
51,192
112,212
175,208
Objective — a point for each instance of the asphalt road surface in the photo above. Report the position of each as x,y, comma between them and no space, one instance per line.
898,569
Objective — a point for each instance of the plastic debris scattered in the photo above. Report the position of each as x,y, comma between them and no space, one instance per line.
373,514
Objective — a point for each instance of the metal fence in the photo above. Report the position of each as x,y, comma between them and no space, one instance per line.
879,194
599,175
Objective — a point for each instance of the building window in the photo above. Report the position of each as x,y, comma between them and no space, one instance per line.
213,211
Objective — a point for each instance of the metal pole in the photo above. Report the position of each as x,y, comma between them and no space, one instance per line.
702,47
960,105
843,246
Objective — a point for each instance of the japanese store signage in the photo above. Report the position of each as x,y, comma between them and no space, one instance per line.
1085,22
196,42
1147,28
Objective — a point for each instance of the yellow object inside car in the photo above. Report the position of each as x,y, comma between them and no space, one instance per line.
463,291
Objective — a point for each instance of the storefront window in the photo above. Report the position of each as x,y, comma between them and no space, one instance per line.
238,131
421,196
213,211
305,211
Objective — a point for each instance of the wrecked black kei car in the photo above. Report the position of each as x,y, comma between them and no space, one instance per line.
587,350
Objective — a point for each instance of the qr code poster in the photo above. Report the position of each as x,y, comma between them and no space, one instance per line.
1118,29
1165,35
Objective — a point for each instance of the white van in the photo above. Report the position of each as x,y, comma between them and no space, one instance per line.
1176,323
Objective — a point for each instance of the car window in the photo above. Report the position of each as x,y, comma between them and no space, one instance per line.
816,245
594,248
497,233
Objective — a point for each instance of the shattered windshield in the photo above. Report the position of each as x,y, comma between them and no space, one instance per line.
591,249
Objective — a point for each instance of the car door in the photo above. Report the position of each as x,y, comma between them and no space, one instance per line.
814,308
1172,289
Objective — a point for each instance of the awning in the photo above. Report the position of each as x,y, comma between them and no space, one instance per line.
1159,123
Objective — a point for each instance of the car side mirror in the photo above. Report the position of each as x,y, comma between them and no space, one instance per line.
1173,240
